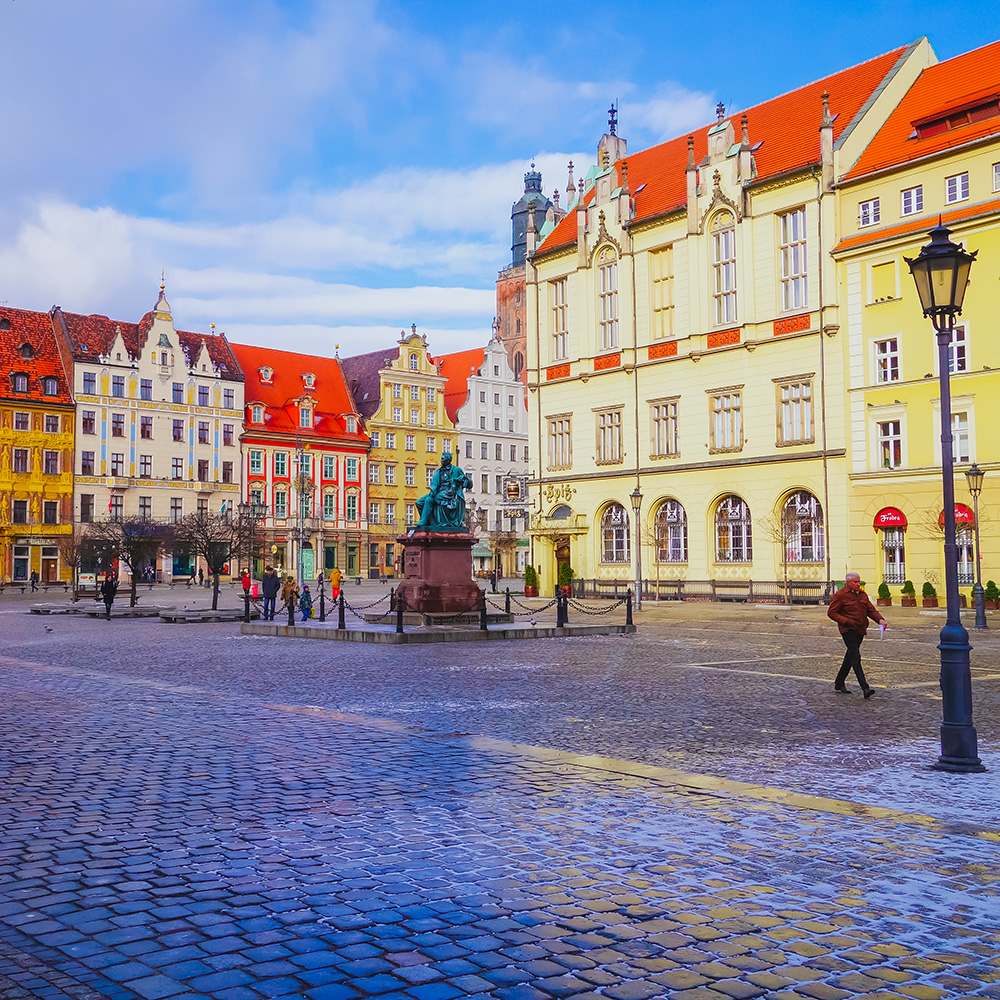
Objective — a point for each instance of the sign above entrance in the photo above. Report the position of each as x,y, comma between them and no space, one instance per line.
963,515
890,517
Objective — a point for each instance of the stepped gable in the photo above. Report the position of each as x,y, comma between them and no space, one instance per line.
19,327
286,386
362,372
783,130
457,368
950,104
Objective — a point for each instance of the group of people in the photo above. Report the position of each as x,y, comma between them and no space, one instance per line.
272,586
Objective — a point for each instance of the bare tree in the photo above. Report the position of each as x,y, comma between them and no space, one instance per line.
502,544
213,537
132,540
73,549
780,527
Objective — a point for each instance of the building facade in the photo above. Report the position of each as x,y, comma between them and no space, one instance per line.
937,156
36,450
158,420
486,401
399,392
683,322
303,456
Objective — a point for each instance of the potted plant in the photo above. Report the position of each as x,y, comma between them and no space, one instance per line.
530,582
909,598
929,595
566,575
884,599
991,596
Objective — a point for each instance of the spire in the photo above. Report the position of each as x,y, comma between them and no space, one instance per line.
746,156
612,120
690,163
720,111
570,186
555,198
745,140
162,308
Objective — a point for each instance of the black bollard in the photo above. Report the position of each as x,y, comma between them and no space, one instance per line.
246,605
560,621
628,607
482,611
399,615
322,605
506,602
341,624
291,613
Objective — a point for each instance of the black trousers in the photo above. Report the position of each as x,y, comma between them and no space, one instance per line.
852,659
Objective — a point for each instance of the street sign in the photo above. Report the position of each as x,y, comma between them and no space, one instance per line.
513,489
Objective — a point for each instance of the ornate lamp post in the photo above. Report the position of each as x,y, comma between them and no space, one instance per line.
975,476
636,497
941,274
252,513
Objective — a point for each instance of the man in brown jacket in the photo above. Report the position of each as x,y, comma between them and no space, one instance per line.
851,609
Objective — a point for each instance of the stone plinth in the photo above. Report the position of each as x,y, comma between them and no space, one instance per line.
437,572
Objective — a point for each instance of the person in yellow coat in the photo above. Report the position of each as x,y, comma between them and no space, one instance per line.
335,583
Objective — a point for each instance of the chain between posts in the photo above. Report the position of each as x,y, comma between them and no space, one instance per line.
591,611
522,614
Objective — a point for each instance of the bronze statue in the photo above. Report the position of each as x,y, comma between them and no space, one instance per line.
443,508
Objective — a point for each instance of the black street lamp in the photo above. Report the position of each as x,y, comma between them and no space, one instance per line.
975,476
636,497
252,512
941,274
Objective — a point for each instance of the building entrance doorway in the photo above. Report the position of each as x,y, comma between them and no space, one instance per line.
562,557
50,570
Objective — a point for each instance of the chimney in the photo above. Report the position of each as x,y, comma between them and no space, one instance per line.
581,227
826,144
692,189
746,159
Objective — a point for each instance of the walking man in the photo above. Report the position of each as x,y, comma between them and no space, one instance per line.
108,590
850,608
269,588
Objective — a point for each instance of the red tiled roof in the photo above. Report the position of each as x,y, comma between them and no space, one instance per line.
92,336
457,368
966,79
924,225
333,400
362,374
35,330
787,128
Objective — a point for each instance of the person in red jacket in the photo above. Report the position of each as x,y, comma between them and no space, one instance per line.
851,609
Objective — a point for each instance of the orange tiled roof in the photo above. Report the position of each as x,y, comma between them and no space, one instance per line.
333,400
923,225
966,79
787,127
19,327
457,368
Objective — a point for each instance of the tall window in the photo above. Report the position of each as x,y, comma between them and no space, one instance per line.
87,507
956,188
894,555
415,392
958,354
887,360
560,330
227,434
145,508
414,363
960,436
609,437
229,399
329,467
560,442
351,469
257,414
203,395
663,415
733,531
607,289
724,268
795,418
90,383
410,442
52,463
227,472
794,281
280,504
177,392
615,535
86,462
117,385
964,542
374,512
329,506
390,475
890,444
117,506
176,509
661,292
305,416
727,421
411,514
203,432
117,463
87,424
671,533
280,462
178,430
177,468
352,507
256,463
22,421
146,466
410,475
50,512
146,427
146,388
803,533
21,460
911,200
118,425
202,470
373,472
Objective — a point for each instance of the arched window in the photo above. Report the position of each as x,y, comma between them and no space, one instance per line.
607,294
733,531
518,364
894,550
724,268
414,362
615,535
671,533
802,528
964,536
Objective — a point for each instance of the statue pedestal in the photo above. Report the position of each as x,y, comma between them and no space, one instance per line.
437,572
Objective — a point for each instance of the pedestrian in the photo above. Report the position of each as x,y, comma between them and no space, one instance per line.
850,608
192,574
245,581
306,603
33,580
201,578
269,588
108,590
334,583
289,592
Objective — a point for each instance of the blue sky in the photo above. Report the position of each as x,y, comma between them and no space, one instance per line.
319,173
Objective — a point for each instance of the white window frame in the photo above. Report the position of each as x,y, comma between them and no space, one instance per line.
560,440
374,512
911,200
962,404
956,188
560,330
726,413
879,415
869,213
609,436
661,292
374,472
893,542
607,298
256,463
886,362
724,281
794,260
329,506
664,437
795,412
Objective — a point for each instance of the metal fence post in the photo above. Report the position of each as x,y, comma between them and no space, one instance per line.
482,611
506,603
628,608
399,615
246,605
340,612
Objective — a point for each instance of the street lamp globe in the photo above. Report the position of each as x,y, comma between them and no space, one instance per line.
975,476
941,274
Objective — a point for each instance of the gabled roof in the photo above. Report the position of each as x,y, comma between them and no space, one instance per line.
35,330
457,368
362,374
281,395
968,81
92,336
786,129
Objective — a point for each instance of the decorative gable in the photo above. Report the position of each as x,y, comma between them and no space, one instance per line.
266,374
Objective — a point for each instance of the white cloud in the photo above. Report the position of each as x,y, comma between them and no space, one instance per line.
669,112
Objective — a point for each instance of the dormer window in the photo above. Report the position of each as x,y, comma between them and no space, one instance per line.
26,352
4,325
352,425
971,113
50,387
305,416
414,362
308,380
266,374
19,381
257,414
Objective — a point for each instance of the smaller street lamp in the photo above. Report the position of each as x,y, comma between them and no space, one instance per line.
636,497
252,512
975,476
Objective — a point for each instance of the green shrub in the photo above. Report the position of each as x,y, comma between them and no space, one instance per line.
883,591
992,592
928,590
530,576
908,589
566,574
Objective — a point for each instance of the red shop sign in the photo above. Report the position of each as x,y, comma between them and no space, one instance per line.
890,517
963,515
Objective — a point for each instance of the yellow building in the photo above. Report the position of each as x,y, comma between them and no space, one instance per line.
938,155
400,393
683,348
36,451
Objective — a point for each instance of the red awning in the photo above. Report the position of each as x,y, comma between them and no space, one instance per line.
890,517
963,515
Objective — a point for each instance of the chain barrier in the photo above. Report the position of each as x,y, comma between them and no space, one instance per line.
364,607
592,611
522,614
530,610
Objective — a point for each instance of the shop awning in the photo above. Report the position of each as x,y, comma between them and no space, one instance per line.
890,517
481,551
963,515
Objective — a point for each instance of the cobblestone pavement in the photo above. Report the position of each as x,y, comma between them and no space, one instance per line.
187,813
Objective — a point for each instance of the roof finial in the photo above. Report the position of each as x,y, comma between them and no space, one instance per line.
570,186
720,111
162,283
413,328
612,120
827,120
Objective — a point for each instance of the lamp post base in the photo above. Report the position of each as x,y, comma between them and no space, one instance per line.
958,750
